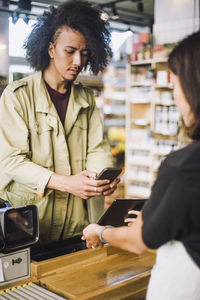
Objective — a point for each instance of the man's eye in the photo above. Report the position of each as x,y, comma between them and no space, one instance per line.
69,51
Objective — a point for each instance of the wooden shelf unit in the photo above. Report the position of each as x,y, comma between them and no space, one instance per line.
151,124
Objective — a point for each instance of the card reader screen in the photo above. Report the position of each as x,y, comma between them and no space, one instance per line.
20,227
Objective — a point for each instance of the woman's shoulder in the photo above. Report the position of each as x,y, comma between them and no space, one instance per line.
184,162
187,154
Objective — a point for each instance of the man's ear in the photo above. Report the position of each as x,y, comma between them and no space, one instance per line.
50,49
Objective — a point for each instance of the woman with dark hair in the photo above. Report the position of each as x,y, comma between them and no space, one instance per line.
52,142
170,219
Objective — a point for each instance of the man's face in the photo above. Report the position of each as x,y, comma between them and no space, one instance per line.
68,54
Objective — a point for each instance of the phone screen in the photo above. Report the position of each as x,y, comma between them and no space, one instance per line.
109,173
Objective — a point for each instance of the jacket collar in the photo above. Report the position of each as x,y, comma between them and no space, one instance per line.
77,101
78,97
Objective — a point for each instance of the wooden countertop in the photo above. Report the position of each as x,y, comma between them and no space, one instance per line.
106,273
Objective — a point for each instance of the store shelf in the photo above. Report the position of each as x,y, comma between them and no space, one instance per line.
114,109
141,101
140,164
139,179
164,103
151,124
137,147
115,95
169,86
140,84
149,61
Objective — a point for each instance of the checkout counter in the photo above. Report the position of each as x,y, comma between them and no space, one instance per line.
49,273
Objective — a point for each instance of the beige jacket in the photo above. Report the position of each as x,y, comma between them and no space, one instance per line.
33,144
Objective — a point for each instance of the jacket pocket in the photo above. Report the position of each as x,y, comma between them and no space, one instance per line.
77,139
41,144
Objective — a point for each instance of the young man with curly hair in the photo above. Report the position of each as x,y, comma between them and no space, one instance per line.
52,143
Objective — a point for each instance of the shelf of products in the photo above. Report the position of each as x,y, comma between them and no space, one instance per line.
152,124
114,113
114,109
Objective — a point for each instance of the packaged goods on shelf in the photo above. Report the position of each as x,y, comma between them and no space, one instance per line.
141,94
166,120
139,138
163,97
164,147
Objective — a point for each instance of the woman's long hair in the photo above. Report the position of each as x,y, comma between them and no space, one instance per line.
184,61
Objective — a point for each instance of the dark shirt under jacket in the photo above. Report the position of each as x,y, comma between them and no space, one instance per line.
173,209
60,101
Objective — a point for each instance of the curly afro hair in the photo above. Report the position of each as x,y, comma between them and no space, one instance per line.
78,15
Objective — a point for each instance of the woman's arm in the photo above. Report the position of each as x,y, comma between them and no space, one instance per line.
126,238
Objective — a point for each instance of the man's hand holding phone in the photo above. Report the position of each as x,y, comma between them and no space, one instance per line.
112,175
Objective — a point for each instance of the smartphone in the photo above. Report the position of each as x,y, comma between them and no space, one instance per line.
109,173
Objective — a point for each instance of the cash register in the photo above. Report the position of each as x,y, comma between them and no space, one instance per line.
19,229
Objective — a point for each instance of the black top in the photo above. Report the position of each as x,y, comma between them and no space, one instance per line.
60,101
173,210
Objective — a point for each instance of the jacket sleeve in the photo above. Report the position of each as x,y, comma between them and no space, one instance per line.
99,154
15,153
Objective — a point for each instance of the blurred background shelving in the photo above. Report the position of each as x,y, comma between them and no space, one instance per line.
152,120
115,109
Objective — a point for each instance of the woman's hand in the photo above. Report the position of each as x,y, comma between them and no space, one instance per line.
91,235
82,185
123,237
131,219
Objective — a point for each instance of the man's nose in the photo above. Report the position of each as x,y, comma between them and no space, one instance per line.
77,59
